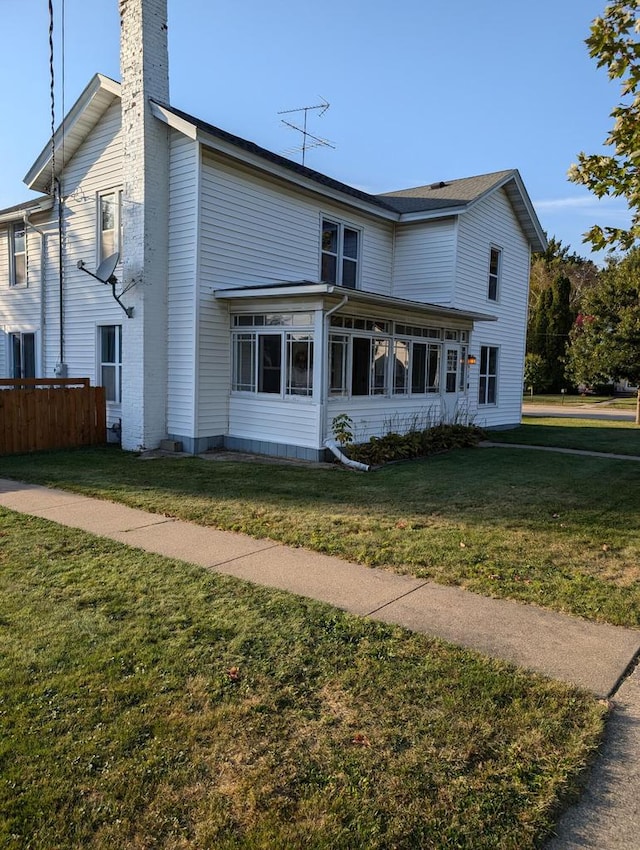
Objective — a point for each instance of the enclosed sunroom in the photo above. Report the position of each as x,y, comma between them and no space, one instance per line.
302,354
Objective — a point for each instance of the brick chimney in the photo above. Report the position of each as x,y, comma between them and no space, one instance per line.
144,70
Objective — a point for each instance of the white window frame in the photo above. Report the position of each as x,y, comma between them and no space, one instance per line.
13,254
486,376
339,253
101,252
295,337
115,364
494,279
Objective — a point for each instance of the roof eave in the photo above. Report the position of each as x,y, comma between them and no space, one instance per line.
253,160
353,295
71,132
21,211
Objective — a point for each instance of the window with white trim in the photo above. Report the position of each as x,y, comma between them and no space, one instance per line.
488,383
495,265
340,254
17,254
273,354
366,357
22,354
110,362
109,224
416,367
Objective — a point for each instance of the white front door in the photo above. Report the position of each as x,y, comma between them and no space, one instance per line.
452,382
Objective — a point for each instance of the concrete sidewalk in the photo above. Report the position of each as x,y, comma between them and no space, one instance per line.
595,657
592,656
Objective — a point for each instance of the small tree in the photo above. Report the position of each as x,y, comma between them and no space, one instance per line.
535,373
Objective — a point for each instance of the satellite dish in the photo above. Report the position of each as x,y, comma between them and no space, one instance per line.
105,270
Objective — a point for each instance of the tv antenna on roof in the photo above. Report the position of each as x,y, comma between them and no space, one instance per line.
308,139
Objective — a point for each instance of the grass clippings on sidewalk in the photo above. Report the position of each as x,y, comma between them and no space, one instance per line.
146,703
556,530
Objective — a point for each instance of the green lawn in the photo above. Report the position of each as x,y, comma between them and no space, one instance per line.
596,435
557,530
145,703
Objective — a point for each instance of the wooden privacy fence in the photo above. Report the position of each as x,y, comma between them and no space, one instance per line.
50,413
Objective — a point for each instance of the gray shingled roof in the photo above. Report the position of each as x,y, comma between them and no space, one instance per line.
270,156
25,205
446,193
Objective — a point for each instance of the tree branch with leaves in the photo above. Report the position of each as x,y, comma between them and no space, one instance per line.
615,46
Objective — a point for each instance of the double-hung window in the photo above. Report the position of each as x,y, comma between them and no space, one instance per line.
488,385
340,254
109,224
17,254
495,265
273,354
110,348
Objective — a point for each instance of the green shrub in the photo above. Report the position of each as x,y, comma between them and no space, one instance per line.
413,444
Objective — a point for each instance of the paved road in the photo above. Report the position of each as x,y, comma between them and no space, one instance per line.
578,411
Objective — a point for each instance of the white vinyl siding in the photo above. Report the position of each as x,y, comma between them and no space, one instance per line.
492,223
95,168
257,232
424,261
183,333
273,421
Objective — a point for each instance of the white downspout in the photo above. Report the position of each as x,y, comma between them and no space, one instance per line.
354,464
325,346
43,263
329,443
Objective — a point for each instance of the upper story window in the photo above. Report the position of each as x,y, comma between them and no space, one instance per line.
495,263
109,224
340,254
17,255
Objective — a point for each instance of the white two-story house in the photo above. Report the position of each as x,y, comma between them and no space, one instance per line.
253,299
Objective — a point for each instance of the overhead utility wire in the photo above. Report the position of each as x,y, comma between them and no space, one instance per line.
55,182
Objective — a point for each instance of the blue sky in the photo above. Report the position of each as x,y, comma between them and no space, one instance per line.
420,90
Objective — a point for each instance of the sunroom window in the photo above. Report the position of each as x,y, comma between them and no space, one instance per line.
270,357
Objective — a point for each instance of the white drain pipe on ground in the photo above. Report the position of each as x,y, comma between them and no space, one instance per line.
354,464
